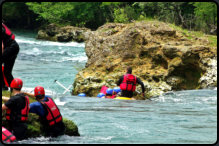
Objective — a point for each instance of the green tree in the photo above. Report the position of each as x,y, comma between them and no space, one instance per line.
89,14
122,12
18,15
206,11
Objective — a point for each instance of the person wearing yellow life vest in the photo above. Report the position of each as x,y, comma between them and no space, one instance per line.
10,50
49,114
17,110
128,83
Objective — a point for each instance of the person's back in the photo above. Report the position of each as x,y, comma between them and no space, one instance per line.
49,113
128,82
7,35
52,120
17,110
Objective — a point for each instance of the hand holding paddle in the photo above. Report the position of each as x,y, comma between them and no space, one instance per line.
143,94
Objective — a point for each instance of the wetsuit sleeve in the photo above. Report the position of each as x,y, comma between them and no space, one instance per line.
120,81
142,85
11,103
36,108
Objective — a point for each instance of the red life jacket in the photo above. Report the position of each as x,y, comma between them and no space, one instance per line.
54,116
7,136
22,115
8,31
129,82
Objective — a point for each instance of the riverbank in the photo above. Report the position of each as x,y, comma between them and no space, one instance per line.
33,123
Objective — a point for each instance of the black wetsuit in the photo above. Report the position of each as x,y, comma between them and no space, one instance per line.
126,93
18,128
55,130
11,50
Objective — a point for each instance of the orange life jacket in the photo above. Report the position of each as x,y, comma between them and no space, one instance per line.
54,116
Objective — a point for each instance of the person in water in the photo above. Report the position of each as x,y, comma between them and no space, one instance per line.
116,92
128,82
49,113
17,110
109,93
10,50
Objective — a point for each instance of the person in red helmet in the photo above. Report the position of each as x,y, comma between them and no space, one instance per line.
10,50
50,116
17,108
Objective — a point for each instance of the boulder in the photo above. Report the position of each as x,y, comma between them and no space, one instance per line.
62,34
159,55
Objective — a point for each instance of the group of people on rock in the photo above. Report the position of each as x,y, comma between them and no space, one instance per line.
18,107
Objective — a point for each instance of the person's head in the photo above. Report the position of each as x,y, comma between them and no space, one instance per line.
82,95
116,90
109,92
39,92
129,70
100,95
16,85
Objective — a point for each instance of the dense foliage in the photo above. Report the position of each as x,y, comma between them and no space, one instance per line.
189,15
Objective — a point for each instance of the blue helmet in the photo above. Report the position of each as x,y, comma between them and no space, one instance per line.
82,95
116,89
100,95
109,91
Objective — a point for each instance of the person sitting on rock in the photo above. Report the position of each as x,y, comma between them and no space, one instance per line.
128,82
17,110
50,116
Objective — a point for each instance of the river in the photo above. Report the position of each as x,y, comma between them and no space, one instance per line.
183,117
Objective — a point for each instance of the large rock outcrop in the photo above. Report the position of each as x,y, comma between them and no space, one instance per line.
62,34
160,56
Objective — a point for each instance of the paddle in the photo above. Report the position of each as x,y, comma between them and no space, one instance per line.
144,95
66,89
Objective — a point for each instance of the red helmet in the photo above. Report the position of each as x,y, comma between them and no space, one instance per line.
16,83
39,90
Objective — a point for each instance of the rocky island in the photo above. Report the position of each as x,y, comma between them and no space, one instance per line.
164,58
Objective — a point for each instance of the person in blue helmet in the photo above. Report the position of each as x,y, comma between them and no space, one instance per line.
116,92
100,95
82,95
109,93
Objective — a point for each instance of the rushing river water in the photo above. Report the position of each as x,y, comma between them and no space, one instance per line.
184,117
